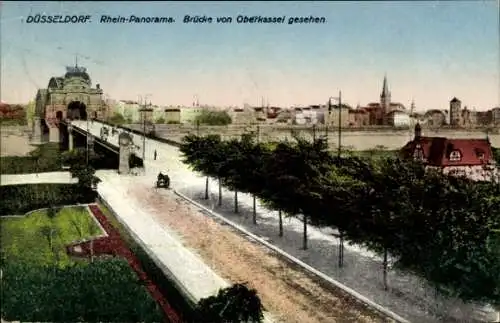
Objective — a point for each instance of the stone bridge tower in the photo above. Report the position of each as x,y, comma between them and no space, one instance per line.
67,97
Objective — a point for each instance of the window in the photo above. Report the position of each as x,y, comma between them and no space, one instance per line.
480,156
455,155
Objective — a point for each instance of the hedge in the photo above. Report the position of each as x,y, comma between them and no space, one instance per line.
19,199
102,291
45,158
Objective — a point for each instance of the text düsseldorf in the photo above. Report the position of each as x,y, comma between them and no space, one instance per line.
57,19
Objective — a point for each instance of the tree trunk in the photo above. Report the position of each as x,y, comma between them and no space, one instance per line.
281,223
50,241
305,232
206,189
220,193
91,251
254,210
341,249
385,269
235,201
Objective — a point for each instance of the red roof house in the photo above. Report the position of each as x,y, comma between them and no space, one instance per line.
464,156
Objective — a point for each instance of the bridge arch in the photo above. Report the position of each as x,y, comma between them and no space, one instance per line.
77,110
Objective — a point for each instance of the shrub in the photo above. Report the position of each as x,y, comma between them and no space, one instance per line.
19,199
496,154
214,118
233,304
46,158
117,118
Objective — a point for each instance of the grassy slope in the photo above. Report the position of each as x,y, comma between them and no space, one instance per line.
23,241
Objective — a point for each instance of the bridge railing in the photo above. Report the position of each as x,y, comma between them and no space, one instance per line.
139,133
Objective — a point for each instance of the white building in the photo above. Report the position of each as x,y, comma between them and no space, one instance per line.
309,115
398,118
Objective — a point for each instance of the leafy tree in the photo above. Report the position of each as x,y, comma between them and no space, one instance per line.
30,111
117,118
49,231
85,173
235,304
213,118
253,175
496,154
86,176
205,155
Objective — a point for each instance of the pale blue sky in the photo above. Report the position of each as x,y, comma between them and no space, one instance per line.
431,51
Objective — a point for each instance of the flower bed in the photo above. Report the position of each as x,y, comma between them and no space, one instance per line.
114,245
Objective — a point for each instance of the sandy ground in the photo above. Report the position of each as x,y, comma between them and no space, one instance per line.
14,142
288,293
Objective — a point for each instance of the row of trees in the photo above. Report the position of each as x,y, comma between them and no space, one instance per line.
441,228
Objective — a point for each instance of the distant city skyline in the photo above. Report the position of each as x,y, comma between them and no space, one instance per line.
430,52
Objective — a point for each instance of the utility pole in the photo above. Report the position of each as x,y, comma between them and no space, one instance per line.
88,139
144,135
327,120
341,244
340,124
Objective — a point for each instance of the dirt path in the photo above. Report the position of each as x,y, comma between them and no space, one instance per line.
289,294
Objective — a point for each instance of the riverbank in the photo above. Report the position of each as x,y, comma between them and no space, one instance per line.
14,141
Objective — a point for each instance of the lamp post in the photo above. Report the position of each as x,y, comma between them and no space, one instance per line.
339,99
143,111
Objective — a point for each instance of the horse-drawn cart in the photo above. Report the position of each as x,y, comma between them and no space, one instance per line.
163,181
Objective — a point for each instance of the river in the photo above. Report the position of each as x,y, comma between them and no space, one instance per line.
353,140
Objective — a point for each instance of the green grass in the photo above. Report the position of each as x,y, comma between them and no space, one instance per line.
23,239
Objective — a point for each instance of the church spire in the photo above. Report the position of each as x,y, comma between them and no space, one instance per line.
385,89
